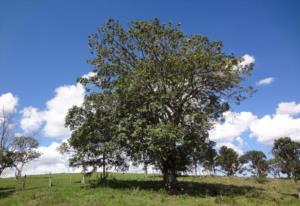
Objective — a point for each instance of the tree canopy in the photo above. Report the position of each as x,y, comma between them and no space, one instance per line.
24,151
168,87
257,161
287,153
228,160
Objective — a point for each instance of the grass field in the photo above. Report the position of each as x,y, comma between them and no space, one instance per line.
134,189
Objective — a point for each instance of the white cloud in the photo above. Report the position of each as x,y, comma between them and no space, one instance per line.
240,141
229,132
53,117
265,129
266,81
290,108
31,120
233,126
247,60
50,161
57,108
89,75
8,103
281,124
269,128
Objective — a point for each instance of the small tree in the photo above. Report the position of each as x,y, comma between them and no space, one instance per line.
258,163
228,160
24,151
93,141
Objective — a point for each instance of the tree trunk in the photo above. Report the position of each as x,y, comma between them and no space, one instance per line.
50,181
18,173
104,167
83,179
170,180
146,170
24,182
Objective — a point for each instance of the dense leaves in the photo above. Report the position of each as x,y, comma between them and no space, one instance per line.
287,153
93,141
167,87
228,160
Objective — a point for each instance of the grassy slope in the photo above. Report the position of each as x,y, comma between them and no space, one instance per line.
133,189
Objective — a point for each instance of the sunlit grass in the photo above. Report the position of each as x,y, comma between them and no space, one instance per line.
134,189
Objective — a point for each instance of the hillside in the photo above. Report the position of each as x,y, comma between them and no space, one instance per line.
134,189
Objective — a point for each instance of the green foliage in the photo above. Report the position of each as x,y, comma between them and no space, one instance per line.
94,139
228,160
167,88
6,159
287,153
257,161
24,151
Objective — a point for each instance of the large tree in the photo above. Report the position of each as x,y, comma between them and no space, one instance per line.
169,88
257,162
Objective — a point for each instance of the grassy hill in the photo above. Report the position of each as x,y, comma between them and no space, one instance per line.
134,189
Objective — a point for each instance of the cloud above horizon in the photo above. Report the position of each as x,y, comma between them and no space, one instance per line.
58,107
8,103
52,119
283,123
265,81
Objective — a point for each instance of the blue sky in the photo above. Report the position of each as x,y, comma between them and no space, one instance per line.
43,46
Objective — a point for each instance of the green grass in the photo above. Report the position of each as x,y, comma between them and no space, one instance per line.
134,189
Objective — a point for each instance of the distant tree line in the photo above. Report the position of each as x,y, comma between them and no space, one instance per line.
285,161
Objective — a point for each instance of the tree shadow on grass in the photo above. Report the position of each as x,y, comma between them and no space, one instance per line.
186,187
6,191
